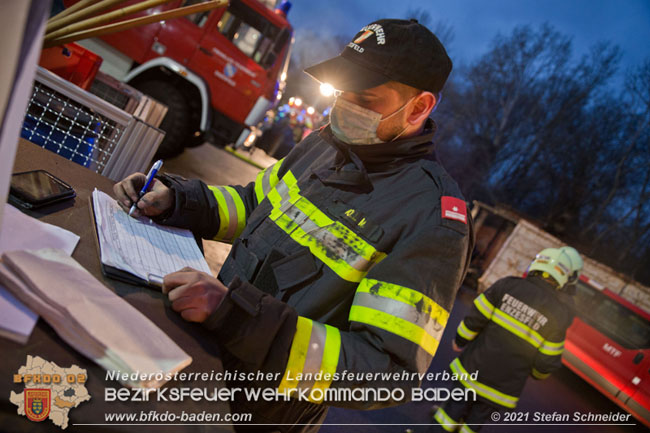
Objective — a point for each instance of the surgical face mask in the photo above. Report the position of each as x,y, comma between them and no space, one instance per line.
354,124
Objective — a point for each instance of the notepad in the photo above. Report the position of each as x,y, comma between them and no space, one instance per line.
137,249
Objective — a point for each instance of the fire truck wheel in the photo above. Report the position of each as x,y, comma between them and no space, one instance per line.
177,120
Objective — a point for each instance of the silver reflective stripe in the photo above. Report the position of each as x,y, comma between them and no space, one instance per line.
283,190
481,389
465,429
517,328
329,240
401,310
483,305
551,349
266,180
232,214
528,334
445,421
465,332
314,357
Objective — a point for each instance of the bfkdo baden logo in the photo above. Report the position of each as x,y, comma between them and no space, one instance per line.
37,403
50,391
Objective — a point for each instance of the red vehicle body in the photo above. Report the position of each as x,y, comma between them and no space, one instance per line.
217,71
608,345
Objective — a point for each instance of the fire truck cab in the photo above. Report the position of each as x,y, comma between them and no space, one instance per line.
608,345
218,71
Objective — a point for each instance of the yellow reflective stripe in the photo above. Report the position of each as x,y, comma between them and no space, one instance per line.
224,218
518,328
484,306
465,429
342,232
394,325
481,389
342,250
465,332
267,179
297,355
527,334
552,349
538,375
259,189
241,210
314,353
231,206
336,264
417,300
330,360
445,420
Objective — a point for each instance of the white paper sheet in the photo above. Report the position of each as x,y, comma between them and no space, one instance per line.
16,320
22,232
89,316
141,246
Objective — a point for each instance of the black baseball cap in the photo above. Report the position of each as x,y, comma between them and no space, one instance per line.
388,50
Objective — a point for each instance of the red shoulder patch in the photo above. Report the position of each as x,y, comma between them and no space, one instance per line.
453,208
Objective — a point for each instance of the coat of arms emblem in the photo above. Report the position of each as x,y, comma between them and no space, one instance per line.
37,403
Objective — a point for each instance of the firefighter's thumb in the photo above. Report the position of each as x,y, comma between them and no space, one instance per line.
158,200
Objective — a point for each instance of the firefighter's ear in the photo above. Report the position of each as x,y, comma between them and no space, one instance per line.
421,107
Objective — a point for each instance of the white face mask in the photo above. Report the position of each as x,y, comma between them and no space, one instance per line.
354,124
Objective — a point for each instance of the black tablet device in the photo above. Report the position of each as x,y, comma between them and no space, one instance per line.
32,189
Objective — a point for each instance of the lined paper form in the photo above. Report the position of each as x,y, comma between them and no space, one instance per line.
140,246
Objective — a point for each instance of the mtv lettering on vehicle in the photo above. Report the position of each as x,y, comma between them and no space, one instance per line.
608,345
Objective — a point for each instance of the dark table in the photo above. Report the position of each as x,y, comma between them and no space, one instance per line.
44,342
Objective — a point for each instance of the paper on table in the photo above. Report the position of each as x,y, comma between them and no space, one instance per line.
141,246
89,316
16,320
22,232
19,232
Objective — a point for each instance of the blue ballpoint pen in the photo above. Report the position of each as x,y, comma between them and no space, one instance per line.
154,169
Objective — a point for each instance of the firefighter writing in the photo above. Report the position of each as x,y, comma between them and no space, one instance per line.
527,315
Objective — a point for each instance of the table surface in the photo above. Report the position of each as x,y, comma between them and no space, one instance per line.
44,342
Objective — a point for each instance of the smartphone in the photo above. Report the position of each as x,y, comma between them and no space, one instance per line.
33,189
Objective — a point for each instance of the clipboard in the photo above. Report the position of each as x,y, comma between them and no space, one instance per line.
153,280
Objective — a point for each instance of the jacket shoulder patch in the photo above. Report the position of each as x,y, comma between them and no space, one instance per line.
453,208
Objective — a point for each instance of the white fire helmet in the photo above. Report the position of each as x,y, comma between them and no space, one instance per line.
562,264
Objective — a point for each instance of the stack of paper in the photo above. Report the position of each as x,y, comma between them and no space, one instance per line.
89,316
18,232
16,320
139,250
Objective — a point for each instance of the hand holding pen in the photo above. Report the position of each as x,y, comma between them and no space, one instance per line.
144,195
154,169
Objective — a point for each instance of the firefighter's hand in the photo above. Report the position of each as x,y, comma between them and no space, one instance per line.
195,295
157,200
455,347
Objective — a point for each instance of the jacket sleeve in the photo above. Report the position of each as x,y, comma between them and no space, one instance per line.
396,321
480,314
216,212
549,355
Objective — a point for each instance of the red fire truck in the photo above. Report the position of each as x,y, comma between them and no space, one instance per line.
608,345
217,71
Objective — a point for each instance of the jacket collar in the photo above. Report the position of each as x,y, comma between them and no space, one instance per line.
352,163
385,155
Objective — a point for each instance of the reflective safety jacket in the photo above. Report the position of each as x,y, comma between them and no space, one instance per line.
515,329
345,264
